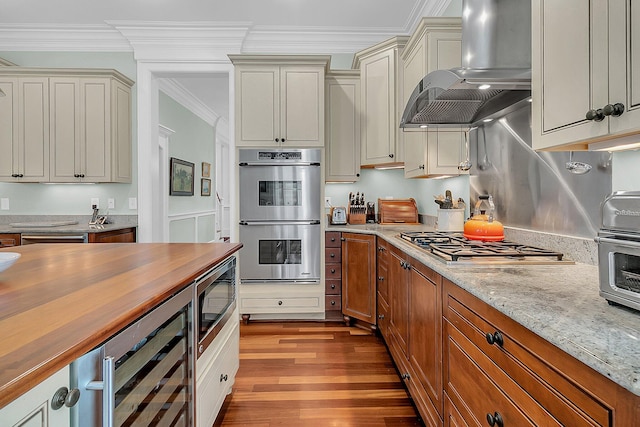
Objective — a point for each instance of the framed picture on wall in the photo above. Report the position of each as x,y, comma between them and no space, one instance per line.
205,187
181,178
206,169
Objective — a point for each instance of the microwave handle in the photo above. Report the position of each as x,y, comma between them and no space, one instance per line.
627,243
108,393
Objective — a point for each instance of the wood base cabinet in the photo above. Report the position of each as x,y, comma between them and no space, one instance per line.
333,275
383,288
8,240
359,277
498,372
416,331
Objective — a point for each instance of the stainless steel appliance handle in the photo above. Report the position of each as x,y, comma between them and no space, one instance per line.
621,242
108,393
305,222
276,281
280,164
53,236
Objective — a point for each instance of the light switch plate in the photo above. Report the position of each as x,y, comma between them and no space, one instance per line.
111,203
133,203
4,204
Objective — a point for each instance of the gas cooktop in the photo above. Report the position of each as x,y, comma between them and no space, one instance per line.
455,249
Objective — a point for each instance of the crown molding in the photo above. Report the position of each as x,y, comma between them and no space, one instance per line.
58,38
188,100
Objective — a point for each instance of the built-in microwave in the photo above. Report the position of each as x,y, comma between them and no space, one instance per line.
215,300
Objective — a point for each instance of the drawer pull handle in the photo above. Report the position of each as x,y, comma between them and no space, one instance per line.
332,255
380,278
223,377
495,419
380,316
495,338
333,303
333,286
405,376
333,270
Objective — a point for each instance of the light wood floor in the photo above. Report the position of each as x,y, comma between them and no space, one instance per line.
316,374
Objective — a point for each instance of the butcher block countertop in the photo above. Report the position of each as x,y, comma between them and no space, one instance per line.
59,301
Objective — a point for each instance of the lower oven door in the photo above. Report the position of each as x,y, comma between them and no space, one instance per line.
280,252
619,269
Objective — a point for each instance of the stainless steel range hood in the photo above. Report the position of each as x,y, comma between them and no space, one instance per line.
495,77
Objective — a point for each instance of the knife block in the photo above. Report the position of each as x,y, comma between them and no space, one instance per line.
357,218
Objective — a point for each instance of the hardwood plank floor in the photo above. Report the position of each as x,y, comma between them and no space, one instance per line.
316,375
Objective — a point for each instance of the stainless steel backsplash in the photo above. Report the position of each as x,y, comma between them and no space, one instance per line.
533,190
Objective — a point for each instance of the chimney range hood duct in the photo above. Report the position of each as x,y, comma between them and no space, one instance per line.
495,77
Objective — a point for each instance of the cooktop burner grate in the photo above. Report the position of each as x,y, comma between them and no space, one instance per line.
455,247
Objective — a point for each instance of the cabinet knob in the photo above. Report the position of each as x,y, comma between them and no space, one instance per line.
333,302
495,338
332,255
495,419
333,239
595,115
65,397
614,110
279,302
421,167
380,316
357,175
277,139
333,286
333,270
391,156
14,175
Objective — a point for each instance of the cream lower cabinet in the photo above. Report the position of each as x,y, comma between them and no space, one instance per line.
33,409
342,126
435,45
216,369
586,68
90,128
24,129
380,72
279,100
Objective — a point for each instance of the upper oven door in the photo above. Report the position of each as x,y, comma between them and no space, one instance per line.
288,252
280,191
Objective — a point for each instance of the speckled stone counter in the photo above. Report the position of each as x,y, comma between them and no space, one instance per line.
81,227
560,303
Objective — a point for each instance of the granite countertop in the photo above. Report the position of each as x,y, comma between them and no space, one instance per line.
560,303
28,224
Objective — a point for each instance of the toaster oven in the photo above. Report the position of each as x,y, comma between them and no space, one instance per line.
619,249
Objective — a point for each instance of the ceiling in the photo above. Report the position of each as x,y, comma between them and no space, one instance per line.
338,27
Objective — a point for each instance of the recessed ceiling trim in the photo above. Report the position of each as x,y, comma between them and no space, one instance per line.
68,38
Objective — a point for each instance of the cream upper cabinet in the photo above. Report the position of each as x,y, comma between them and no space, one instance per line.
65,125
90,130
381,81
585,74
33,409
342,126
435,45
279,100
24,129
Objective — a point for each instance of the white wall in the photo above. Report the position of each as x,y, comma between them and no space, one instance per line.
626,171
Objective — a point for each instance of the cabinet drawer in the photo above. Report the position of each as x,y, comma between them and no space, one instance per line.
332,239
534,374
7,240
333,271
332,255
333,303
333,287
285,304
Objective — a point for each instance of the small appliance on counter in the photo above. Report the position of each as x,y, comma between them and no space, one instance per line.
338,215
619,249
398,211
371,213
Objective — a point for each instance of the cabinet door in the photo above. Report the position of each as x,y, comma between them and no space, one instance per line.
569,70
425,323
120,118
24,134
94,150
415,140
33,119
65,128
399,294
257,106
302,106
445,151
378,112
343,129
359,276
8,128
624,68
33,409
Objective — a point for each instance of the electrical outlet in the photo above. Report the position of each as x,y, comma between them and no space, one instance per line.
111,203
133,203
95,201
4,204
327,202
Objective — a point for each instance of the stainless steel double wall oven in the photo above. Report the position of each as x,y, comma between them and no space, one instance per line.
280,215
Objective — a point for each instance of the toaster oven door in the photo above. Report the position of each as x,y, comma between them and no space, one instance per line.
619,269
